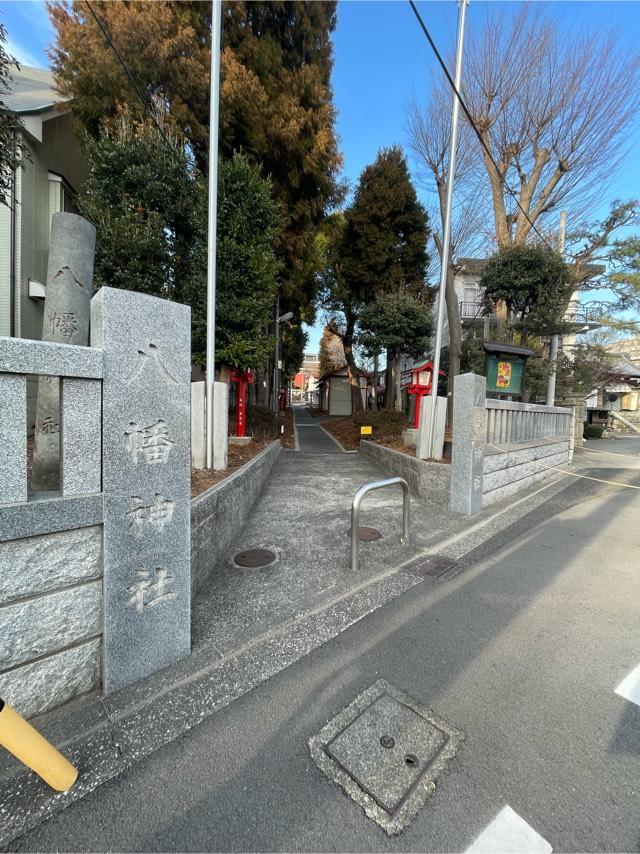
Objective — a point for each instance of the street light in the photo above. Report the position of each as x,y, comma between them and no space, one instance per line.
276,374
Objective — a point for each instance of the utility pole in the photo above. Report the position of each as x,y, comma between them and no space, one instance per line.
276,371
214,106
446,232
553,347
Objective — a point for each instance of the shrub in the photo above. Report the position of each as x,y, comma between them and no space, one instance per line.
261,423
593,431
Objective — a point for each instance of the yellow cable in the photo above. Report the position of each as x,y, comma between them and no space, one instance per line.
34,751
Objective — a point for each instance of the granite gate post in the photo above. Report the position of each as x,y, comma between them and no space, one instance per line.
65,321
469,438
146,482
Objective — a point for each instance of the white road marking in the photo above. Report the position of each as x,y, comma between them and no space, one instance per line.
629,688
507,833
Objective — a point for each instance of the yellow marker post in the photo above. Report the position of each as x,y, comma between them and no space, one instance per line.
366,431
26,744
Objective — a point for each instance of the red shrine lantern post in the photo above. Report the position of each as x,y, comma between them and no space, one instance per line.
421,386
242,379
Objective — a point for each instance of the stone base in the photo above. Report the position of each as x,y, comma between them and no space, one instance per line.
410,437
240,440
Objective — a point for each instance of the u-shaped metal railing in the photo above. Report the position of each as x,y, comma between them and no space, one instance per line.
355,513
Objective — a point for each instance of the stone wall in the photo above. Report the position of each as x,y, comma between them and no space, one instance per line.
219,513
501,447
517,465
50,617
428,479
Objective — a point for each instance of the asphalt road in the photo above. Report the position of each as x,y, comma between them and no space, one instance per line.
521,651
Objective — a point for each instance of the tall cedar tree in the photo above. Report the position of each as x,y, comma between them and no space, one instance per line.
276,98
383,249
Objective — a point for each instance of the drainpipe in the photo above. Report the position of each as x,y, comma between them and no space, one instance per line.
12,240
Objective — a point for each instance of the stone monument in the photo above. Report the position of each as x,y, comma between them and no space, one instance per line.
66,321
469,437
146,344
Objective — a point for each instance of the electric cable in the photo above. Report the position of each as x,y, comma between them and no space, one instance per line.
465,109
143,101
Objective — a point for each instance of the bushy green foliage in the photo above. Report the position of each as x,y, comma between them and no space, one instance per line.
534,283
248,221
397,322
150,210
144,202
593,431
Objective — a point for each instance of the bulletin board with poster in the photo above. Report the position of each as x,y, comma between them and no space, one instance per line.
505,369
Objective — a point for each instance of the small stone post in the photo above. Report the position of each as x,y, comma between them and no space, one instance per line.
65,321
220,426
469,438
146,345
422,442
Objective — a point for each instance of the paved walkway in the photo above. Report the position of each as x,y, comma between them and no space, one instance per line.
525,652
303,515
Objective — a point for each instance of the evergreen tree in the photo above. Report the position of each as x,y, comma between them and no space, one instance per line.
276,99
534,284
149,206
399,323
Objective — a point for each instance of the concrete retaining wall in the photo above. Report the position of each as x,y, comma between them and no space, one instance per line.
431,480
50,618
514,466
219,513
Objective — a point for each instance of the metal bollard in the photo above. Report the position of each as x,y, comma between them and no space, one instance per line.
355,513
26,744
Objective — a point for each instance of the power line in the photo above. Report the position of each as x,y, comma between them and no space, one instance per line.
471,121
143,100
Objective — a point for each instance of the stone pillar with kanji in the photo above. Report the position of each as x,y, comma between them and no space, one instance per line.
146,482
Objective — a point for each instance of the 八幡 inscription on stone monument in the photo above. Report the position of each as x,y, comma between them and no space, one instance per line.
146,481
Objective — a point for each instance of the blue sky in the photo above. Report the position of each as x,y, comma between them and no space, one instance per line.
381,59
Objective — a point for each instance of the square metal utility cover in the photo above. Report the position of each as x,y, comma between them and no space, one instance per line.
385,750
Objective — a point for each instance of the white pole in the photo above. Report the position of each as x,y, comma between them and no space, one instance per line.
446,235
553,348
214,103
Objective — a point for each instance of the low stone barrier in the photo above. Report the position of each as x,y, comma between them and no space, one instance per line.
219,513
501,446
513,466
427,479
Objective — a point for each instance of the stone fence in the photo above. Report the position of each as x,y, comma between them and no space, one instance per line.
500,446
95,577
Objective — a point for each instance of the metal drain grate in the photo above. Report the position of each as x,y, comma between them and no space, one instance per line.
437,567
254,558
367,535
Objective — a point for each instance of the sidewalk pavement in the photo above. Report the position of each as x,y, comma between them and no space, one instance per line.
522,652
251,624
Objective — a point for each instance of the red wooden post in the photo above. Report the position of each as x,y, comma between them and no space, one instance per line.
242,379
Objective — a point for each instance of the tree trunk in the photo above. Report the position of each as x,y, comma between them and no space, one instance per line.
397,403
375,382
389,383
354,377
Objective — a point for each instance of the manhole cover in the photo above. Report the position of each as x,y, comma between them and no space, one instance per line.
386,750
367,534
253,558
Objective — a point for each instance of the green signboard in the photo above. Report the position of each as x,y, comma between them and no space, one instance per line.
505,374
